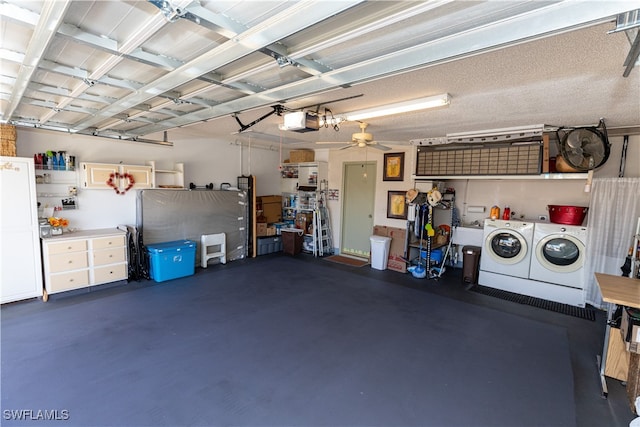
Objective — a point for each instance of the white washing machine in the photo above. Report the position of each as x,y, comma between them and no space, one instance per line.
506,247
558,254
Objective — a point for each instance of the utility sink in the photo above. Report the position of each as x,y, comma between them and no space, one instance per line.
468,235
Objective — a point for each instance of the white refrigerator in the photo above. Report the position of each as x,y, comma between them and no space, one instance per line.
20,259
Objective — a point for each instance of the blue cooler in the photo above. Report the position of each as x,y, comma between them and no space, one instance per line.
170,260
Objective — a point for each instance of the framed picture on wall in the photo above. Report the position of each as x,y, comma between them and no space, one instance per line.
396,205
393,167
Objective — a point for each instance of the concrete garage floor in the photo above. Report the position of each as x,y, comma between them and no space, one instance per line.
281,340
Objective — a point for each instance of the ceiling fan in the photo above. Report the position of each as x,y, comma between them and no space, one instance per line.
361,139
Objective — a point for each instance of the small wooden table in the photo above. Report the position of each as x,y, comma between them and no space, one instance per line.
618,290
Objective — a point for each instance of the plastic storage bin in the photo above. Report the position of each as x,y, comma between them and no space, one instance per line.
380,251
470,264
268,245
171,260
436,255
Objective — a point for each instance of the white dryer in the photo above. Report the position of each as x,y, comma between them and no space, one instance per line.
506,247
558,255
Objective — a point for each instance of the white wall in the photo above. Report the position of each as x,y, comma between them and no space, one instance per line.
337,158
223,161
206,161
527,198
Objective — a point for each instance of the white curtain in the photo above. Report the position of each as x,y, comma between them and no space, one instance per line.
613,214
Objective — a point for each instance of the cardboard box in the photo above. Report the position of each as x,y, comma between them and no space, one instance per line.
304,221
396,251
301,156
395,262
633,380
261,229
171,260
380,230
271,199
271,208
630,329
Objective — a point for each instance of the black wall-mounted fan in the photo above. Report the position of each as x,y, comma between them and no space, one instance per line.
584,148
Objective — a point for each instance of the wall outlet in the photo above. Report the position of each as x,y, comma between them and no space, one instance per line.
542,217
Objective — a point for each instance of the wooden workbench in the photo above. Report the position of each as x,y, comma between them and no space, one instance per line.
619,290
623,291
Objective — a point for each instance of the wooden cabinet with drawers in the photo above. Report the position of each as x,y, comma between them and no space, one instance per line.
85,258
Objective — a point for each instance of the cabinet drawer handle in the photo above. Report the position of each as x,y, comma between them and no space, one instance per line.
70,280
110,256
70,262
69,247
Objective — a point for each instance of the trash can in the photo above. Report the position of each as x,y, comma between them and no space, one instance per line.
380,251
470,264
291,240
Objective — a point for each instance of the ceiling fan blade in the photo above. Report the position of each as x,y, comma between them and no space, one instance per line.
348,146
378,146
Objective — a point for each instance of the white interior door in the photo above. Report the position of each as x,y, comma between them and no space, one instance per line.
359,188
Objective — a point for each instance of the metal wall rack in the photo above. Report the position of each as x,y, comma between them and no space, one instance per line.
428,244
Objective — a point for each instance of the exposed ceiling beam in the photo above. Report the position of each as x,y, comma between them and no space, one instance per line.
142,34
105,44
544,21
48,22
632,57
229,28
393,13
295,18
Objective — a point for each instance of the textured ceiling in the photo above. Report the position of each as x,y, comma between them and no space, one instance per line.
133,69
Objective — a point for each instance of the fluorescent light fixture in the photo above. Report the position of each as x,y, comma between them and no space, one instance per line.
400,107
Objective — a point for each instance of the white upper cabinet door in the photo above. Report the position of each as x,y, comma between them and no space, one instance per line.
116,177
97,175
142,175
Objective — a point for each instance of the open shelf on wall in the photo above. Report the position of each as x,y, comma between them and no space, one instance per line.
549,176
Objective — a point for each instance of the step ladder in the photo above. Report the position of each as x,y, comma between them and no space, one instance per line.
322,241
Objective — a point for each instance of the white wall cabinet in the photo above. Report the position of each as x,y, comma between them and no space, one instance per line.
86,258
168,178
98,175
